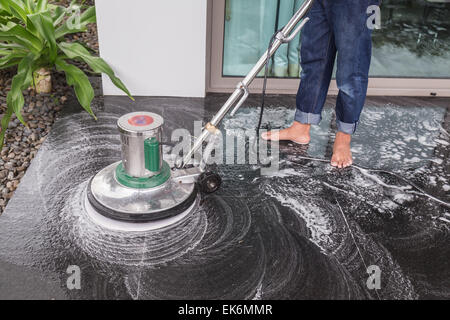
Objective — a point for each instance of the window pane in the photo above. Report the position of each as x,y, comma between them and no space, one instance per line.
249,24
414,40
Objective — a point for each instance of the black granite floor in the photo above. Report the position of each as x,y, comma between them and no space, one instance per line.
307,231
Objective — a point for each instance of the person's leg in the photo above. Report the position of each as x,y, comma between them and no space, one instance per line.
354,46
317,60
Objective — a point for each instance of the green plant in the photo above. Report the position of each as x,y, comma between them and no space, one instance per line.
32,36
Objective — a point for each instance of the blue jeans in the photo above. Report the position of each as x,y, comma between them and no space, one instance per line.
335,27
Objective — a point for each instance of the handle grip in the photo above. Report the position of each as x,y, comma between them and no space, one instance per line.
295,32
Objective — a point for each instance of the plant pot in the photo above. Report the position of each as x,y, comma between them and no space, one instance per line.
42,79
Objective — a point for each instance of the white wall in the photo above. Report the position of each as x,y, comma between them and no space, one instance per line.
156,47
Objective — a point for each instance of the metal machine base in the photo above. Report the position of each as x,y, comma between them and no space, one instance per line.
115,201
123,226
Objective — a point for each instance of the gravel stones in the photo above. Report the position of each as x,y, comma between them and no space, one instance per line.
40,112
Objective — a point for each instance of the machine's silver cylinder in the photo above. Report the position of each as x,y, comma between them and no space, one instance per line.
135,128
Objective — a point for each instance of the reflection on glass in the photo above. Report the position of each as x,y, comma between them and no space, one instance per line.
249,25
414,40
287,60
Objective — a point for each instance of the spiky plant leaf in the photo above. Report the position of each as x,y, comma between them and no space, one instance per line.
41,5
16,8
15,99
44,25
76,78
30,31
20,35
30,6
98,65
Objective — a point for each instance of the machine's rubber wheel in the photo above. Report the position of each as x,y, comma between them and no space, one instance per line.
209,182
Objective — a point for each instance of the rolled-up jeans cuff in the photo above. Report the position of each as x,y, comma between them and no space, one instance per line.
307,118
348,128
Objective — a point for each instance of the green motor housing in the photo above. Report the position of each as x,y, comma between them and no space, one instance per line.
152,155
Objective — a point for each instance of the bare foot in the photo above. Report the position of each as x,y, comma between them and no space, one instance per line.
342,156
298,133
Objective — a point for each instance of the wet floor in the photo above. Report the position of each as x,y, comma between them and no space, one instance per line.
306,231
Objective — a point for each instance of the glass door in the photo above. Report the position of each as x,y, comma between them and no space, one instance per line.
248,27
411,54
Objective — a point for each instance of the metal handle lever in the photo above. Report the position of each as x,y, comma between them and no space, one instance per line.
241,102
295,32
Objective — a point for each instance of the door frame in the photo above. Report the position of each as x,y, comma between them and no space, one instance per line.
216,82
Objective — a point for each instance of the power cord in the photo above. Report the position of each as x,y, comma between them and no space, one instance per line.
266,75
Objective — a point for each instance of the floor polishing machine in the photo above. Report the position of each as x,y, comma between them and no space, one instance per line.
144,191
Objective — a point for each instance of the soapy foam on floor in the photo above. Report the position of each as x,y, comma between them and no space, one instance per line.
249,243
397,135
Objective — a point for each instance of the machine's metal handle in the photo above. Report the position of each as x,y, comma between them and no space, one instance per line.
295,32
241,102
243,86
